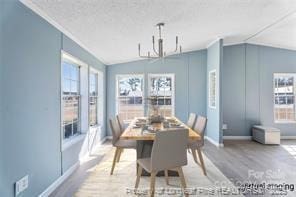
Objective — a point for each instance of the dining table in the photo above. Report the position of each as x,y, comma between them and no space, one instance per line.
143,132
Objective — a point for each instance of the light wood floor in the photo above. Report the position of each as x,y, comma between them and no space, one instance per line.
237,161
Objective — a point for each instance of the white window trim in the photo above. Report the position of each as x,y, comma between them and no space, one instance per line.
274,116
99,74
66,143
117,88
171,75
209,89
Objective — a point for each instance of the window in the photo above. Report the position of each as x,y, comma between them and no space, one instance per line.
93,98
70,98
284,97
212,89
130,92
161,93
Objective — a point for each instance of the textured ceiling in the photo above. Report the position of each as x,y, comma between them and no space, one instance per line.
111,29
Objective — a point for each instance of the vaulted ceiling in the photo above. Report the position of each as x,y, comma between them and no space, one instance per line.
111,29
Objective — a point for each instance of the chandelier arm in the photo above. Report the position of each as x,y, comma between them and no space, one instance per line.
176,44
153,43
155,49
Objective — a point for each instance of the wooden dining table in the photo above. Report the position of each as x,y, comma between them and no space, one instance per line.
137,130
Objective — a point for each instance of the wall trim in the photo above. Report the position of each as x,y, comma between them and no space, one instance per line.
237,137
250,137
59,181
214,142
109,137
288,137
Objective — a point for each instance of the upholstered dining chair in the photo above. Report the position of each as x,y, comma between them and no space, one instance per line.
191,120
119,143
121,122
168,153
196,145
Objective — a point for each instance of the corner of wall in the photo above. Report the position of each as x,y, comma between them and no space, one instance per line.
215,62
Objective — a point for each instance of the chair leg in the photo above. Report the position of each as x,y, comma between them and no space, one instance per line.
140,169
194,155
182,178
152,183
201,161
114,160
166,176
119,154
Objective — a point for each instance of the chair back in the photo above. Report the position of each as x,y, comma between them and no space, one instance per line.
191,120
169,149
200,127
115,128
121,123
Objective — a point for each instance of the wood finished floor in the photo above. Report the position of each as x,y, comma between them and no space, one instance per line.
237,160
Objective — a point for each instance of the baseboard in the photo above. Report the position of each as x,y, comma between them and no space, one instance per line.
237,137
59,181
250,137
109,137
288,137
214,142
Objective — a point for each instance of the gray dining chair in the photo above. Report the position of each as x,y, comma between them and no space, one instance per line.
196,145
191,120
120,144
121,122
168,153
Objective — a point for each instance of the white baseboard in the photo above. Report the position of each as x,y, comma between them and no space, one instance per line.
250,137
237,137
109,137
214,142
59,181
288,137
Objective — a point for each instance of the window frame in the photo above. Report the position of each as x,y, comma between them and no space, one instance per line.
66,142
172,76
96,72
293,74
117,77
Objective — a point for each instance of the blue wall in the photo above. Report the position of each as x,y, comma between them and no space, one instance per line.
1,110
190,80
215,62
30,74
248,86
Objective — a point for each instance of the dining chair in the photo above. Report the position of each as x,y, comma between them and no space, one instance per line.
121,122
119,143
168,153
191,120
196,145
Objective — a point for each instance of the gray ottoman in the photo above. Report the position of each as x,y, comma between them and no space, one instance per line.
266,135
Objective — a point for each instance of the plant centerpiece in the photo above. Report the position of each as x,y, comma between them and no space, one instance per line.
154,115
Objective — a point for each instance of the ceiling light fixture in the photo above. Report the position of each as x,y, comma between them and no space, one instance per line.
160,53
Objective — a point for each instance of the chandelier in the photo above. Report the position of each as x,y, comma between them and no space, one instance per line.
160,53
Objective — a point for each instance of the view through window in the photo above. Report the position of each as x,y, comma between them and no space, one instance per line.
130,93
284,97
161,93
70,99
93,98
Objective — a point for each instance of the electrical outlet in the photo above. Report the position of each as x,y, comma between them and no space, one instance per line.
21,185
224,127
